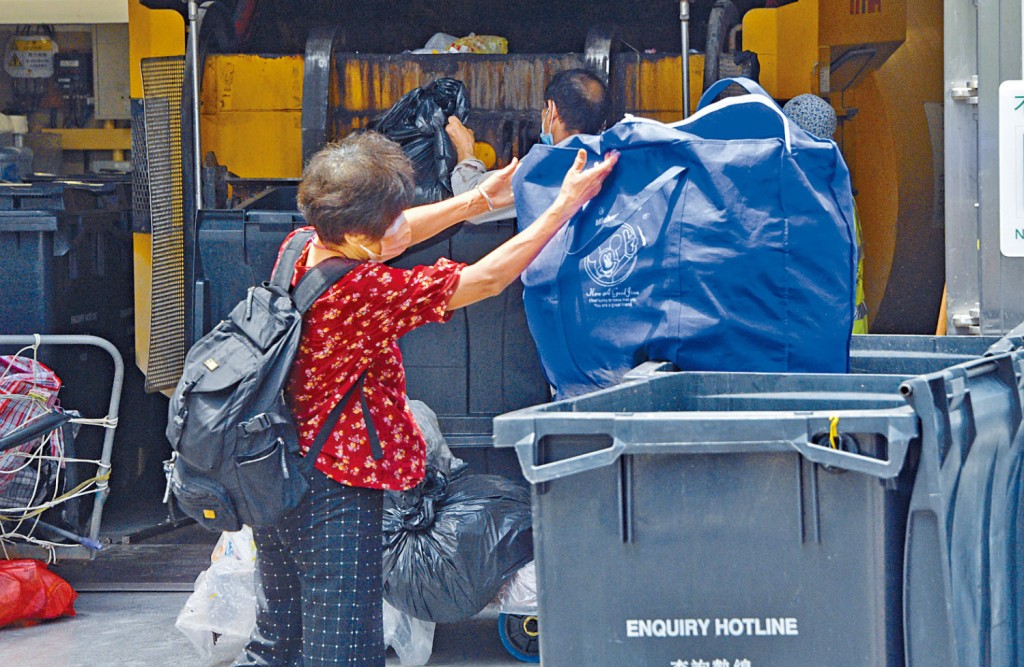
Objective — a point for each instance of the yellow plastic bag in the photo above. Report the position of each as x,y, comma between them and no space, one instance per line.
479,44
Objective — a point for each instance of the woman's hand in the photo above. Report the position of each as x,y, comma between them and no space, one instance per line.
500,267
581,184
498,186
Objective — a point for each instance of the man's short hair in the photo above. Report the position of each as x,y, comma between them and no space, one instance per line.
356,186
582,100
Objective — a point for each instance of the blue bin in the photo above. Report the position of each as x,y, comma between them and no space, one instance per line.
914,355
962,583
68,269
67,263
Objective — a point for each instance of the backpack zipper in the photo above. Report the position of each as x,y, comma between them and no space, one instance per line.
248,303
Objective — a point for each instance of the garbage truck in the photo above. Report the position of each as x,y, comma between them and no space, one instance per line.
299,76
228,98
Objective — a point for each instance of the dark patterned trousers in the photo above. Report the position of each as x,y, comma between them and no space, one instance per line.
318,581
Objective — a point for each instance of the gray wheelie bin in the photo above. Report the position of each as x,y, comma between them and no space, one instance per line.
751,520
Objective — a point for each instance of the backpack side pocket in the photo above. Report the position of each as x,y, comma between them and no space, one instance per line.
203,499
270,481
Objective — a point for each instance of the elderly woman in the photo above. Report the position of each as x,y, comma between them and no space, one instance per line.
319,571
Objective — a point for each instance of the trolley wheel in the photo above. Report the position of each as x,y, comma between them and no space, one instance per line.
520,636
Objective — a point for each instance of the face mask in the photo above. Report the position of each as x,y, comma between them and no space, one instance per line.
393,243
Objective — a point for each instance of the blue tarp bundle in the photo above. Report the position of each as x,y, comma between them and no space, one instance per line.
722,242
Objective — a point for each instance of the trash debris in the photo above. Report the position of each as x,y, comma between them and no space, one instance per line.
221,612
417,124
30,593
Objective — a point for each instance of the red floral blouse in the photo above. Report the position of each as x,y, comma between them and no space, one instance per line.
355,326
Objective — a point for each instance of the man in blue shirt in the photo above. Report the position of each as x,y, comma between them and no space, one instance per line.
575,102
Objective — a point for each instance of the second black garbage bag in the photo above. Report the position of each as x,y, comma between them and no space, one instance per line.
453,540
416,122
450,543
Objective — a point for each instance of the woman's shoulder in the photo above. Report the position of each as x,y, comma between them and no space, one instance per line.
442,266
395,285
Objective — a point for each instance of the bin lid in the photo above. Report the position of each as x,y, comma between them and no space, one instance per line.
49,195
27,221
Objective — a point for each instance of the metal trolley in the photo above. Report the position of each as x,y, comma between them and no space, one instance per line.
80,546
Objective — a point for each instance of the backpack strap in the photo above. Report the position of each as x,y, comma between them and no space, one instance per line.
319,279
285,268
310,288
309,460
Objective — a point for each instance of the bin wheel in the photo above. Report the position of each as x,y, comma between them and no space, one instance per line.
520,636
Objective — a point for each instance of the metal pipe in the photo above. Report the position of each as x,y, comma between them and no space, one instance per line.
87,542
117,155
684,26
193,47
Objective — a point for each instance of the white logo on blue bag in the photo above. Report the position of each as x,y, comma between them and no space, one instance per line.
614,260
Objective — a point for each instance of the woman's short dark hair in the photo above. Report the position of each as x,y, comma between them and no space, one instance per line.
358,185
582,100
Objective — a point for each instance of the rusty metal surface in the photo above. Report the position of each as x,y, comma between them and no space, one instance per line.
650,85
506,92
506,95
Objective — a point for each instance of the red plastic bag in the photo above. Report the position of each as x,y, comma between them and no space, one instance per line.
30,593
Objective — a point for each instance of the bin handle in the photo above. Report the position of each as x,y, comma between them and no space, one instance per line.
536,474
898,440
795,431
602,424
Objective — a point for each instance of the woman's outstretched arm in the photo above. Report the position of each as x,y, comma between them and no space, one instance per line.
430,219
494,272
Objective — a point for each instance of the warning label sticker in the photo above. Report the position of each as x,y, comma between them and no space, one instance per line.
29,57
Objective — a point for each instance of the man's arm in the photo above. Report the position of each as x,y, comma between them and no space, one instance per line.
471,172
468,174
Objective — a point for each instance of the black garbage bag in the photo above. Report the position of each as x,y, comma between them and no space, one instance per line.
450,544
416,122
417,503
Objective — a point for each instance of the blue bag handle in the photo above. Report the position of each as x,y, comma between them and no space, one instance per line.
619,217
758,96
717,87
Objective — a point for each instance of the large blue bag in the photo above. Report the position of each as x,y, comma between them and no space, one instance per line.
724,242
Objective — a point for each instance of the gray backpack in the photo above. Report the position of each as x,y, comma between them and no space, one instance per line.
236,453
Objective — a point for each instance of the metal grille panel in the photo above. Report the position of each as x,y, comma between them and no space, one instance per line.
162,82
140,170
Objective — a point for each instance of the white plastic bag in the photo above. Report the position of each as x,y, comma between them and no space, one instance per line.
412,639
439,43
221,612
238,545
519,594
